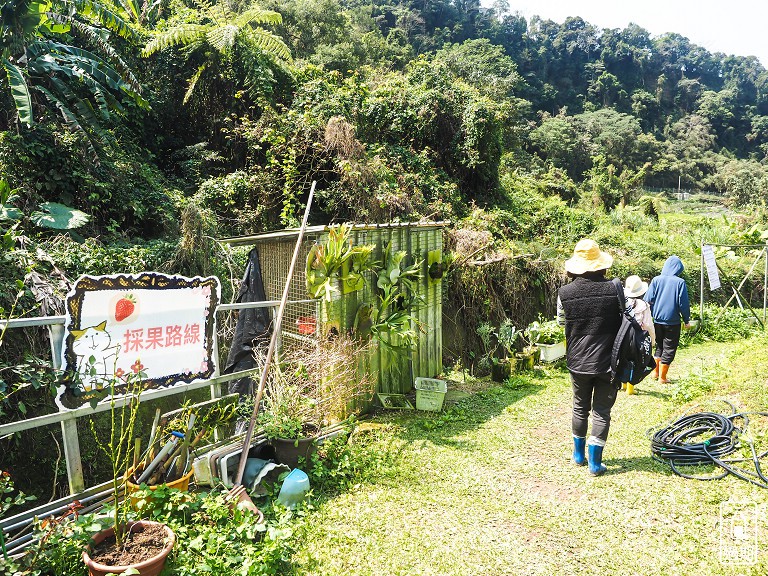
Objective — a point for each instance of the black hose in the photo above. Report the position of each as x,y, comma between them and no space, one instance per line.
707,438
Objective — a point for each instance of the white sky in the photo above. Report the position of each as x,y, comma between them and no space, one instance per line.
730,26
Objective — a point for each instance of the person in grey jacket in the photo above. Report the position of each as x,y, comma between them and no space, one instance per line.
668,297
589,308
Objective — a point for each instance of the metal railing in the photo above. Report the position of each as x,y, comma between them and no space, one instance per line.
68,419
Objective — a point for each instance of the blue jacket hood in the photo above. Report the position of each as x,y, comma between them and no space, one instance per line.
672,267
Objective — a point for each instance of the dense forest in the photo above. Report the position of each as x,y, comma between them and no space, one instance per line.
134,133
143,130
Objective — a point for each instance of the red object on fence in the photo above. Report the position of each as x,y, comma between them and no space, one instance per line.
306,324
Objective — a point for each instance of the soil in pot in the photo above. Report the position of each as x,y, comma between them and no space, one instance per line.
144,543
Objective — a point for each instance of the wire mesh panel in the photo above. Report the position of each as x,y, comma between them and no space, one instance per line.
300,318
306,320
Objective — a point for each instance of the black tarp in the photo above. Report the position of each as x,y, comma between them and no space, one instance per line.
254,326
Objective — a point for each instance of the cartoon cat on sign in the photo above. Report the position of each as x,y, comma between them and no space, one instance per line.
93,341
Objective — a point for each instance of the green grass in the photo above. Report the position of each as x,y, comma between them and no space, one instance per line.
487,488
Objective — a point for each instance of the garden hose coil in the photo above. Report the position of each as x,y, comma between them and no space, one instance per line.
708,438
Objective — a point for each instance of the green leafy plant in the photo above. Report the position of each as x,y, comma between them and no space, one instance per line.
119,446
9,498
43,67
507,335
216,33
59,217
544,332
337,260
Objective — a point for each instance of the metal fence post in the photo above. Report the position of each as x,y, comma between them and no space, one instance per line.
68,427
765,280
701,288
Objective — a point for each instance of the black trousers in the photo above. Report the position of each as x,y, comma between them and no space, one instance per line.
667,340
592,393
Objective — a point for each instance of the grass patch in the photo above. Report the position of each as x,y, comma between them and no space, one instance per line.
486,487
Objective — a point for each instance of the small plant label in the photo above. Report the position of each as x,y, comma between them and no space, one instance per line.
738,535
149,323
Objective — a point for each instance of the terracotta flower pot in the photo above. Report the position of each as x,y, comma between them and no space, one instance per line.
150,567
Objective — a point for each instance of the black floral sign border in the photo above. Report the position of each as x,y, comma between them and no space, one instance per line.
142,281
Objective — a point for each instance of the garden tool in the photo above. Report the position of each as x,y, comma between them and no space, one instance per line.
242,496
164,451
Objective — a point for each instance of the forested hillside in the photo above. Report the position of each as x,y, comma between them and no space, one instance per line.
144,130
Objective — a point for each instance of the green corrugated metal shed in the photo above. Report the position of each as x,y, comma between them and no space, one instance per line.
395,373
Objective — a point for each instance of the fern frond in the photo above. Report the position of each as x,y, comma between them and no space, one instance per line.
178,35
270,43
222,38
259,16
193,82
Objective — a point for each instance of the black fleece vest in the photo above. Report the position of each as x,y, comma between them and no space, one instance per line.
591,307
592,320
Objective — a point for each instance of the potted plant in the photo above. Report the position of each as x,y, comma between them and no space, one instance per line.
125,547
550,339
310,388
499,347
529,355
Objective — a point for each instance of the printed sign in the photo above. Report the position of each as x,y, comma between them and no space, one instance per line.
148,329
711,265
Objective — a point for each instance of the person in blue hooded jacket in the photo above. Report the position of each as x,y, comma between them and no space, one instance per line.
668,298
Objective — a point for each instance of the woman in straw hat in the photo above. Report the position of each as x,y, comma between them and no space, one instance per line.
634,289
589,309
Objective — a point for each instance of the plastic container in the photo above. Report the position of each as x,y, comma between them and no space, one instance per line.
294,488
430,393
551,352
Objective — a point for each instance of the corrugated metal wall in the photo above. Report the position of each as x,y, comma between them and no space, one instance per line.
395,373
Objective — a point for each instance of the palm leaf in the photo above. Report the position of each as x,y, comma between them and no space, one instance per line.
70,119
104,16
20,92
94,35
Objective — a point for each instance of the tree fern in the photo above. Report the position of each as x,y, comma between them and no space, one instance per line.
216,27
180,35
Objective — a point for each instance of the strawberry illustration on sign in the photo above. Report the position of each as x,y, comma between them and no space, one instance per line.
125,307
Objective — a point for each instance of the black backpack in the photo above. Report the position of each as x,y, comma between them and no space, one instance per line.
632,356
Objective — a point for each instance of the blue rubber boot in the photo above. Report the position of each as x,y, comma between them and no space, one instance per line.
596,466
579,444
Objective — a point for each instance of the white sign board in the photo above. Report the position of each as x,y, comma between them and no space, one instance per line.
711,266
149,328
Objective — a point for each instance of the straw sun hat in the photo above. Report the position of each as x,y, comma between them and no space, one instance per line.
634,287
587,257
